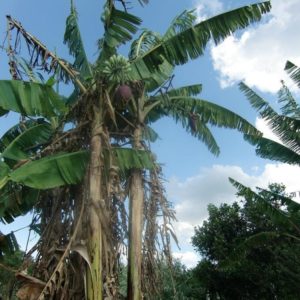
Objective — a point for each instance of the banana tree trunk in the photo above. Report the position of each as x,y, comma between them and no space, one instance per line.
94,274
136,207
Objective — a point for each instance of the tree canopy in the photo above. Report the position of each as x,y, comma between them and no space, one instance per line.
245,253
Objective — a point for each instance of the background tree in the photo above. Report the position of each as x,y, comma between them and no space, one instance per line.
245,254
10,260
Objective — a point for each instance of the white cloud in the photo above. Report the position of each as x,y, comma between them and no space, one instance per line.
258,56
262,126
188,258
208,8
212,186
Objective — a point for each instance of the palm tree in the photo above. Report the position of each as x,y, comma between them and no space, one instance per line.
114,102
285,126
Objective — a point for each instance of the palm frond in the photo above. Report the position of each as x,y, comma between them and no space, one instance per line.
181,23
27,142
157,77
202,133
267,148
72,38
16,130
190,43
186,91
292,205
286,128
193,124
257,102
293,71
195,113
52,171
278,216
119,27
30,99
289,106
43,58
146,41
211,113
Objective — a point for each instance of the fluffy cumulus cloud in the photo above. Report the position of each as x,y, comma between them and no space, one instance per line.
258,55
208,8
188,258
212,186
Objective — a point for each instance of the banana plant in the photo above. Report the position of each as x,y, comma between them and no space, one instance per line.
115,100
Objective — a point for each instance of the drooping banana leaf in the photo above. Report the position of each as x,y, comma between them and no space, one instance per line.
294,205
149,134
194,115
31,99
278,215
289,107
16,200
74,41
285,127
52,171
27,142
293,71
270,149
16,130
190,43
127,159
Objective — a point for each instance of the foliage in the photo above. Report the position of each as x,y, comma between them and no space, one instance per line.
285,125
176,282
12,261
91,153
246,255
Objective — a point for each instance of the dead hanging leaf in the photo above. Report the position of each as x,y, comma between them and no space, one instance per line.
31,287
57,278
29,291
82,251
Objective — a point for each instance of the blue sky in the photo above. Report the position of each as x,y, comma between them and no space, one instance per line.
256,55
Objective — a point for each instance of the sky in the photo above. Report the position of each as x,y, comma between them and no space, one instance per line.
257,55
